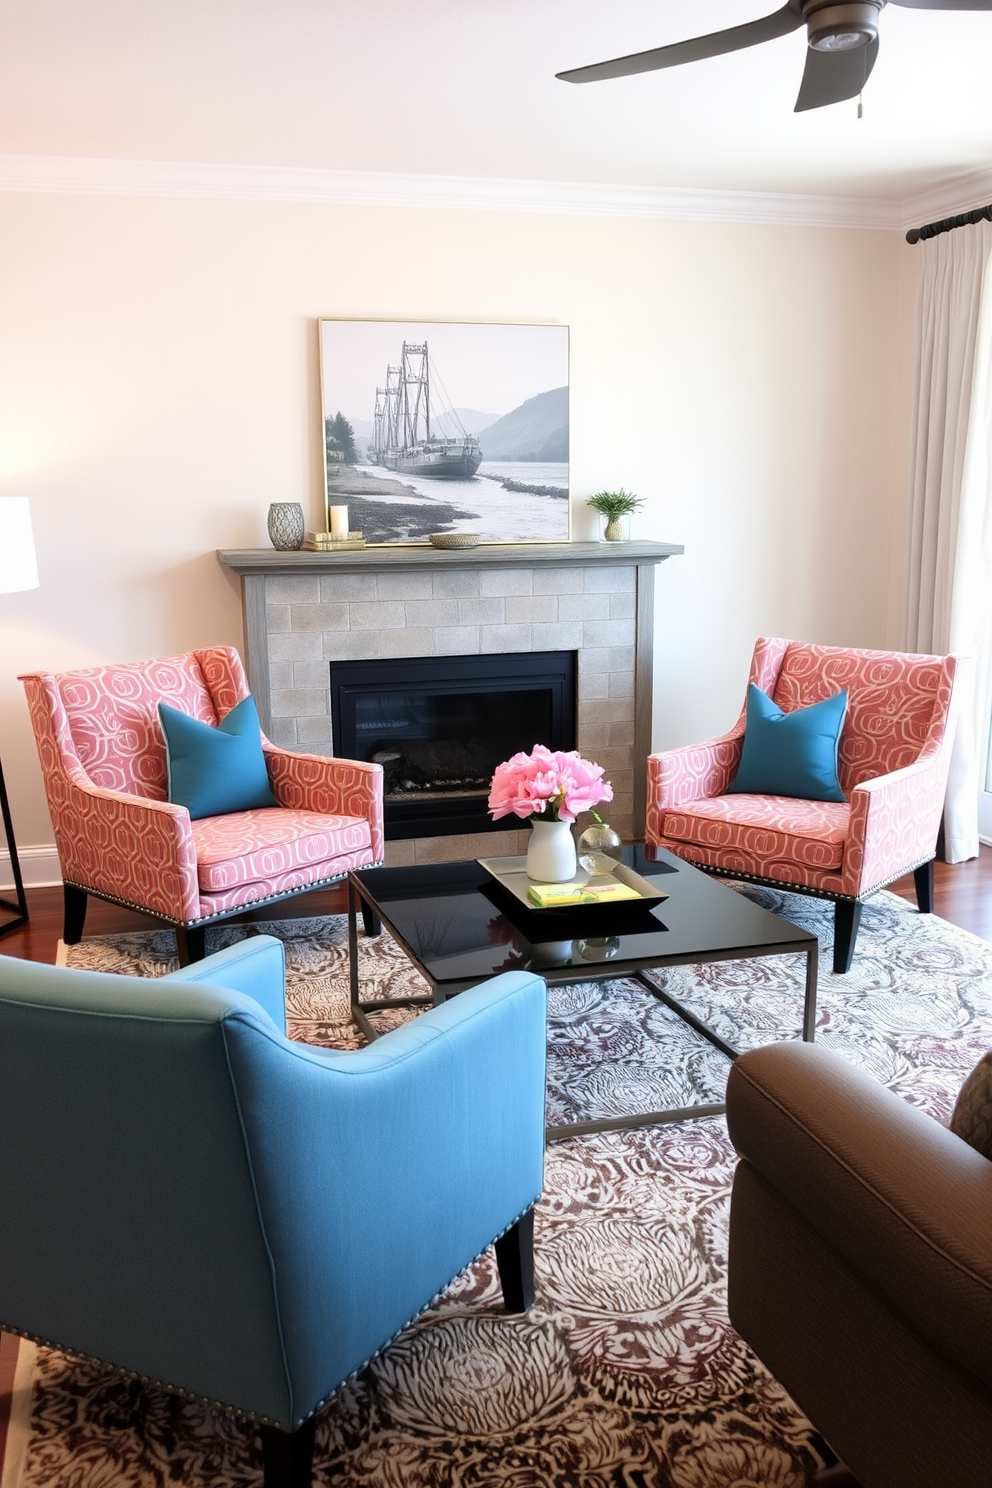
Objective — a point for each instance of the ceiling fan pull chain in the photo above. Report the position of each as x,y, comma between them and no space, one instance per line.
860,111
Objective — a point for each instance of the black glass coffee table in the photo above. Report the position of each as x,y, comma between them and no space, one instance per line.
459,926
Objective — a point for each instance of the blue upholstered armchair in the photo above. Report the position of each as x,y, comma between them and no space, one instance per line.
193,1197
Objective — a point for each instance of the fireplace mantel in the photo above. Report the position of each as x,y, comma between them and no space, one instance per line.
247,561
303,610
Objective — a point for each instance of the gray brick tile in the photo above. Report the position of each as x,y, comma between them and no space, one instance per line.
457,640
351,645
283,733
622,606
584,607
406,586
608,632
406,641
401,854
311,674
376,614
481,611
299,702
609,579
280,674
440,849
558,581
557,637
507,638
277,618
292,589
304,645
596,685
595,659
319,617
458,583
523,607
621,684
338,588
503,581
593,711
594,737
314,734
611,757
431,612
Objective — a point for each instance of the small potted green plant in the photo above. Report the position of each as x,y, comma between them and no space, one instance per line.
615,505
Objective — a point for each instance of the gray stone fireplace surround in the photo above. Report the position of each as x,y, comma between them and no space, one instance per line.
304,610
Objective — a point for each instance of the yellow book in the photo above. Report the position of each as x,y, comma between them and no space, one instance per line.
561,896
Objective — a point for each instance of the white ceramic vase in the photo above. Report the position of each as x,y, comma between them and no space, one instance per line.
551,852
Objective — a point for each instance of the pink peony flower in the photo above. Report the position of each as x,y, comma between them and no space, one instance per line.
557,784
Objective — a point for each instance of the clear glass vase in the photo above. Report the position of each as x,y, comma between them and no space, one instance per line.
599,849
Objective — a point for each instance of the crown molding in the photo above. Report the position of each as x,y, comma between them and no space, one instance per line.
948,199
93,176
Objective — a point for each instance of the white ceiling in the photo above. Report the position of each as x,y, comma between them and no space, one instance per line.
467,88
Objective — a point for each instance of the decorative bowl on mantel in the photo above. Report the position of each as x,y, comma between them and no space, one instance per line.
454,539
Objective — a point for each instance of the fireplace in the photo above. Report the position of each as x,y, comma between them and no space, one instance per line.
440,725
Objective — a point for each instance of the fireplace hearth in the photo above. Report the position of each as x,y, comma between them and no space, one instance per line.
439,726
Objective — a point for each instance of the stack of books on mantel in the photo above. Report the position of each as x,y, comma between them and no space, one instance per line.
332,542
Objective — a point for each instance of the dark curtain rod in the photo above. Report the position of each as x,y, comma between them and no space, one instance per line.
964,219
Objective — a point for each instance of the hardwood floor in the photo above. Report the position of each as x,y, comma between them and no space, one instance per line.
962,894
37,941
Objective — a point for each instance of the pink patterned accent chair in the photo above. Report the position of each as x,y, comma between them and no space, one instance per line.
119,838
893,761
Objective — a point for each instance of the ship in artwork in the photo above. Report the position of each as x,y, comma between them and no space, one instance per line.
402,437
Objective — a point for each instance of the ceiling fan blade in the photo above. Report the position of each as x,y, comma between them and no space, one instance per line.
768,28
830,77
944,4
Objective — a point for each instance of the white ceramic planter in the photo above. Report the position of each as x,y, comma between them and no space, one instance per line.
551,852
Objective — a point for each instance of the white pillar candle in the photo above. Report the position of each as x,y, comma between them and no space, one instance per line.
339,520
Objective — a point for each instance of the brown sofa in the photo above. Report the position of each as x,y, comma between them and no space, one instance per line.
861,1266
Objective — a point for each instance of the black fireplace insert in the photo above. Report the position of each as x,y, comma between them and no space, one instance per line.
440,725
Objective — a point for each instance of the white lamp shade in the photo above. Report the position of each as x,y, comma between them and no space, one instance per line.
18,567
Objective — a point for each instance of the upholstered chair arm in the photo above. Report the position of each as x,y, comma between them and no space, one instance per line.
324,783
128,847
400,1162
695,773
255,967
894,822
898,1197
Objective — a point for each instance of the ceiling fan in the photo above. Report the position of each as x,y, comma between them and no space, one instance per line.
842,42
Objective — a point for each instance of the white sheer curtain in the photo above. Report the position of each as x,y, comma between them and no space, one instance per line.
950,562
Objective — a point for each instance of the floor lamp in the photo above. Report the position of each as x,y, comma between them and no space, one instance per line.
18,570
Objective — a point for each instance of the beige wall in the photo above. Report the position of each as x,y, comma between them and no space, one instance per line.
159,387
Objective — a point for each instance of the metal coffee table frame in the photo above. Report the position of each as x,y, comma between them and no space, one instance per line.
793,941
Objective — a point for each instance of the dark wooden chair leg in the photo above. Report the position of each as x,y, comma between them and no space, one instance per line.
847,918
287,1456
515,1261
191,943
75,913
371,922
923,878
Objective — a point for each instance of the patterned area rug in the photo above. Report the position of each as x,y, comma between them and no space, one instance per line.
626,1373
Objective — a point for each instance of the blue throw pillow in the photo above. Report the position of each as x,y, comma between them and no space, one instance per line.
213,771
791,754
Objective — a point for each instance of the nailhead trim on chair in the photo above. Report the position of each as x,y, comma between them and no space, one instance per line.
789,888
227,914
232,1410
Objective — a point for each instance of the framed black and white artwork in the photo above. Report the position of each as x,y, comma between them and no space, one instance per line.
446,427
